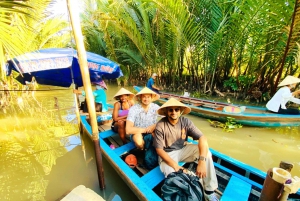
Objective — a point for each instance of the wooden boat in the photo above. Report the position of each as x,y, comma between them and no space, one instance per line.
237,181
245,115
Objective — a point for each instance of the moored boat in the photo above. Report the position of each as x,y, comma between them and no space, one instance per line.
237,181
245,115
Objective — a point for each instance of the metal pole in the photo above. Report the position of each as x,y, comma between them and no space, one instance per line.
75,22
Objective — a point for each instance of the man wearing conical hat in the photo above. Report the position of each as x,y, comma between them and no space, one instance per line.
171,133
278,102
120,112
142,117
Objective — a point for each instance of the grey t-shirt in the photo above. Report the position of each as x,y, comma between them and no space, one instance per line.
172,137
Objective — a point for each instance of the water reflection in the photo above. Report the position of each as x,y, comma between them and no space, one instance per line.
31,142
43,158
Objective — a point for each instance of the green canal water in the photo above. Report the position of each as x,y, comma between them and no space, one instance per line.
43,156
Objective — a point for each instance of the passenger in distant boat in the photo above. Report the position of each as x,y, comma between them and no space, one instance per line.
278,102
151,83
170,141
99,95
120,112
142,117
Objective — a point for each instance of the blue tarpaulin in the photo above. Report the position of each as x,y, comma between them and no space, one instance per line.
60,67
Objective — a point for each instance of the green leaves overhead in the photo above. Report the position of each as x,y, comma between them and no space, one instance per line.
158,31
24,27
209,41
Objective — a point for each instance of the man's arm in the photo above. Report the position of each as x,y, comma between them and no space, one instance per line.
131,129
167,159
203,150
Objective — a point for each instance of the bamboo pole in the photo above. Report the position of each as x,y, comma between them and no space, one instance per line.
74,18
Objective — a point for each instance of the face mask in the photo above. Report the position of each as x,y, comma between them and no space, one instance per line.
98,87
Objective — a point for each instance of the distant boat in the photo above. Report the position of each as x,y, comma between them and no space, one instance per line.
245,115
237,181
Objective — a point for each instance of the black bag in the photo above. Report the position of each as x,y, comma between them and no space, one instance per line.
179,186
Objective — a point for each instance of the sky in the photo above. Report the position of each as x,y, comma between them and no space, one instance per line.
60,7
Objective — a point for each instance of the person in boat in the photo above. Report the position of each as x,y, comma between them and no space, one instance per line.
120,112
99,95
151,83
170,142
278,102
142,117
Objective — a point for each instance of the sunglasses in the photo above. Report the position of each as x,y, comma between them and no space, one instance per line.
176,110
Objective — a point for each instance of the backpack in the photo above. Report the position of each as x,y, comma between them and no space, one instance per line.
179,186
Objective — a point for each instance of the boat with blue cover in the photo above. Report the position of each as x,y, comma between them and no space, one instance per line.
245,115
237,181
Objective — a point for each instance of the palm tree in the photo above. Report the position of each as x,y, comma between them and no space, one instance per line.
25,27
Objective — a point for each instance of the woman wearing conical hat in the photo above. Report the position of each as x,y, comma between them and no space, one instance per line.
171,134
278,102
120,112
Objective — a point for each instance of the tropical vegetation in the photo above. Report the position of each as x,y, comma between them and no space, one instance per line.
204,46
198,45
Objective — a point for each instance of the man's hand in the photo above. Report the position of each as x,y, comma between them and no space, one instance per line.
149,129
296,93
177,168
201,169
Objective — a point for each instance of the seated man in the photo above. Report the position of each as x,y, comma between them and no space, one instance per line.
142,117
151,83
171,133
278,102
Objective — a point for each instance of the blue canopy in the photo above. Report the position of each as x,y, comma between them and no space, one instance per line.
60,67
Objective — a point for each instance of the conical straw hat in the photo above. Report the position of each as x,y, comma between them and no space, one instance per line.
123,91
146,90
289,80
172,102
101,83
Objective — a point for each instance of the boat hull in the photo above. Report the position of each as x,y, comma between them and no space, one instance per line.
143,186
252,116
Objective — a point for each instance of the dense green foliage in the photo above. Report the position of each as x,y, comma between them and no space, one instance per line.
198,45
25,26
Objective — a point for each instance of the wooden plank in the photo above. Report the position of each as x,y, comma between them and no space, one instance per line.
236,189
117,140
155,176
105,134
124,149
251,182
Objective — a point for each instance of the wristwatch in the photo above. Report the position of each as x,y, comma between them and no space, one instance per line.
202,158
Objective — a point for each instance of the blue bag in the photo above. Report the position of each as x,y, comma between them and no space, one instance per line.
151,157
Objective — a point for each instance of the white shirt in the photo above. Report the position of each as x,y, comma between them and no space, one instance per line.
143,119
281,97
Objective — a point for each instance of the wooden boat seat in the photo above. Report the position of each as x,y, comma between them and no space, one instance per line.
155,176
236,189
